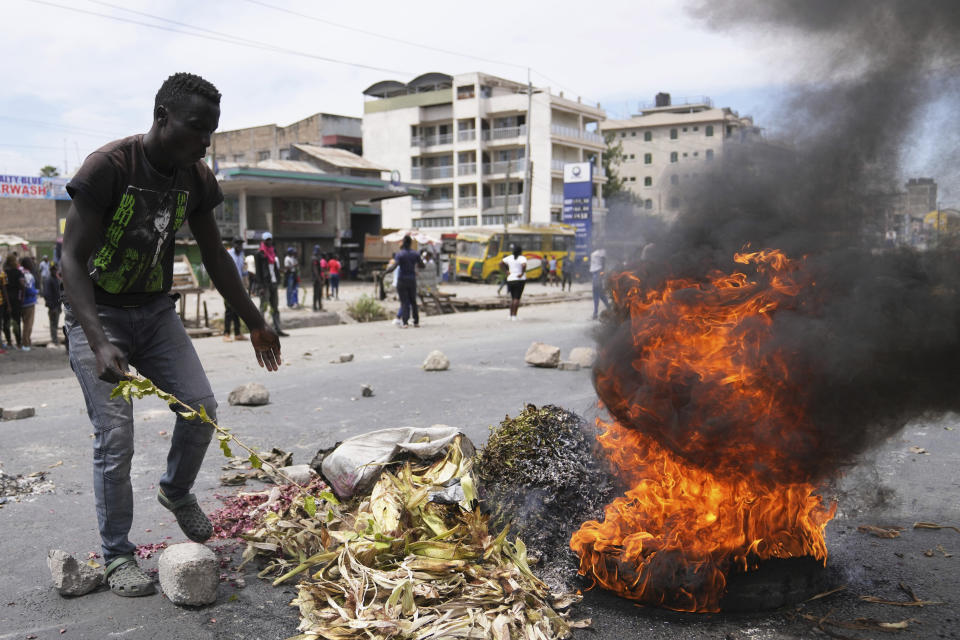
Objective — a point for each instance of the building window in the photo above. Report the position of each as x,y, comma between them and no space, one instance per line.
684,154
674,156
709,154
263,155
647,136
466,92
284,154
633,134
485,91
648,204
421,223
648,158
674,179
673,134
633,178
696,154
684,129
696,128
467,221
674,202
238,157
648,181
498,218
556,216
709,130
623,134
300,211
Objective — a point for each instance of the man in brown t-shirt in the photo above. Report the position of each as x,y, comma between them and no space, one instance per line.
129,199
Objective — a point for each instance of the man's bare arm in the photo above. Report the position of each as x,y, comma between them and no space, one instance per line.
223,273
80,237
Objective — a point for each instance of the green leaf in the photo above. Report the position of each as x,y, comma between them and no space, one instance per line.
329,497
225,447
188,415
255,461
233,598
310,505
203,414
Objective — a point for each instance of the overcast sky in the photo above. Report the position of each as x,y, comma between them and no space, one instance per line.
80,73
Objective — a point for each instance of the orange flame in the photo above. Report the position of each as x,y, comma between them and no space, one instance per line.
706,389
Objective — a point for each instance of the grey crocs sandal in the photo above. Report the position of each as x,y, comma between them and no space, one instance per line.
192,520
127,579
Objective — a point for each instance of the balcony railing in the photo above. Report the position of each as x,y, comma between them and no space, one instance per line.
433,204
431,173
505,133
513,200
467,202
467,169
430,141
467,135
556,198
503,166
579,134
557,165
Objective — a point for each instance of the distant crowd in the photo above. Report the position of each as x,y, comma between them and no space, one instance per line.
23,282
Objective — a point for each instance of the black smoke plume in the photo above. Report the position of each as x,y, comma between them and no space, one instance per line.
875,342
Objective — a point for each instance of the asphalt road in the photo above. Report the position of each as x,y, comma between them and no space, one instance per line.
315,403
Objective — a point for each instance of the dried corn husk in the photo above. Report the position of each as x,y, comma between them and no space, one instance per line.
395,565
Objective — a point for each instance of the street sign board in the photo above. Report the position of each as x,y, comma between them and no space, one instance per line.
578,202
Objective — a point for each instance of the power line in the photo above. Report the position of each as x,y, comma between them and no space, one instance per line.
26,146
54,125
241,42
383,36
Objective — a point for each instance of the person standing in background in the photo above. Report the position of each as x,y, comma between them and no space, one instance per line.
268,276
567,266
325,272
29,304
406,262
333,266
44,270
291,277
250,264
52,298
13,296
230,316
316,270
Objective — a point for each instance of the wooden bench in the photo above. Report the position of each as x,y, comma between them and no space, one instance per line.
185,283
436,303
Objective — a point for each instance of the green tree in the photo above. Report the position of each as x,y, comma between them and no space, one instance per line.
611,160
49,171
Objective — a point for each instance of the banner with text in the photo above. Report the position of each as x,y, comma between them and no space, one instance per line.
578,202
33,187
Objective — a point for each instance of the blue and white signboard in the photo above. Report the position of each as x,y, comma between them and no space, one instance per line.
578,202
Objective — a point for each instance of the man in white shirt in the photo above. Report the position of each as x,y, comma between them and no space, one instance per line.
516,268
598,261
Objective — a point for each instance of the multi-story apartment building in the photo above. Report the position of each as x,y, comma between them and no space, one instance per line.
272,142
669,143
465,138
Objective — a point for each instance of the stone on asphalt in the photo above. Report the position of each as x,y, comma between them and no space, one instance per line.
302,474
566,365
543,355
252,394
584,356
189,574
70,577
436,361
18,413
366,390
346,357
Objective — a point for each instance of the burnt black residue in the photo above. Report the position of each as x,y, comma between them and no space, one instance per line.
538,475
877,340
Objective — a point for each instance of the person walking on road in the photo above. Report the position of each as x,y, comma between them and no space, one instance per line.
268,276
598,260
316,270
231,319
51,296
129,198
516,268
567,265
406,262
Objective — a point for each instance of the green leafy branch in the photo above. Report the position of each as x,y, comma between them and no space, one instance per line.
136,386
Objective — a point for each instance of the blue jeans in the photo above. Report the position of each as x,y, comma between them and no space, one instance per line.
598,293
155,342
293,293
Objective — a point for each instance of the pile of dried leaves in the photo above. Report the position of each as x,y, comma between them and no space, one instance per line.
398,564
538,473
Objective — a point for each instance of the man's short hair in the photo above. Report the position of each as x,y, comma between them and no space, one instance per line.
175,90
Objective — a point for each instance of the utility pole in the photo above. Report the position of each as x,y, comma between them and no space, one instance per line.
527,200
506,201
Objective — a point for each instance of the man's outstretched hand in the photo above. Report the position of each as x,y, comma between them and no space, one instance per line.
266,345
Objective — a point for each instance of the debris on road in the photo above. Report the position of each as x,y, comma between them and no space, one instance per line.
436,361
540,354
14,488
72,577
933,525
17,413
880,532
584,356
189,574
299,473
252,394
567,365
366,391
346,357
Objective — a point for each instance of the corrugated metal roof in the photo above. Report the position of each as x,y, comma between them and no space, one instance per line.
299,166
339,157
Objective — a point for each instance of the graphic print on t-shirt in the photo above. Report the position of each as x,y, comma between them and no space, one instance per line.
137,239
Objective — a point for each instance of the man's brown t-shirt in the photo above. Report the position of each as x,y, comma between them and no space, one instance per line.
141,211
